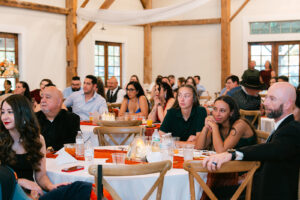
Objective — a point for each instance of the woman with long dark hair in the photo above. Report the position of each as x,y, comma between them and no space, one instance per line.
23,89
135,101
186,117
100,87
163,101
225,129
22,148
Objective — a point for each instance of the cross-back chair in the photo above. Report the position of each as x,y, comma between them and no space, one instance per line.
110,131
132,170
253,113
233,166
262,136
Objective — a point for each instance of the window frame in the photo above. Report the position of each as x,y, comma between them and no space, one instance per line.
15,37
106,44
274,55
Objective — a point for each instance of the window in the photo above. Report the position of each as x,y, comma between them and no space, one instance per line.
261,53
275,27
288,62
9,47
284,58
108,60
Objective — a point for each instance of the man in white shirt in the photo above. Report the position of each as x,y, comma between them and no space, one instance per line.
114,93
200,88
87,100
277,177
75,86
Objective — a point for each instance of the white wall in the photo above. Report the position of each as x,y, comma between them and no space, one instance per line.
181,50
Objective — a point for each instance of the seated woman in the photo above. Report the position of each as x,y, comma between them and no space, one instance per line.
186,117
225,129
163,101
135,101
23,149
23,89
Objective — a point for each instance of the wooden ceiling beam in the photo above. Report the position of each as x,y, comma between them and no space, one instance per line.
144,3
84,3
187,22
148,48
34,6
239,10
105,5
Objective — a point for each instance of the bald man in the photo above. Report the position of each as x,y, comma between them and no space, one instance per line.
58,126
114,93
277,177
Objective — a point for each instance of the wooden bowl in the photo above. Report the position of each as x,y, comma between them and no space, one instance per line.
120,123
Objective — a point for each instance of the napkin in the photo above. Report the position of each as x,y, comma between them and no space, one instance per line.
64,157
153,157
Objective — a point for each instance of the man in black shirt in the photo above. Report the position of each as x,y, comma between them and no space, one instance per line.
58,126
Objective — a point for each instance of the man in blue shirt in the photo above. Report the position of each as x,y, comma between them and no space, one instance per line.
87,100
75,86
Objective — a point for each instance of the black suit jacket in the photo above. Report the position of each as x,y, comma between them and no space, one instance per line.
277,178
63,129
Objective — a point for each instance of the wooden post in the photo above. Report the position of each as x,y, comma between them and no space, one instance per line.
148,49
72,48
225,40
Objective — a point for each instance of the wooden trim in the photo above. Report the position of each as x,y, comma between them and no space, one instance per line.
187,22
34,6
239,10
225,40
84,3
105,5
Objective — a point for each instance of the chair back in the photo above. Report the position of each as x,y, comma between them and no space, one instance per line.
262,136
133,170
110,131
254,113
233,166
110,106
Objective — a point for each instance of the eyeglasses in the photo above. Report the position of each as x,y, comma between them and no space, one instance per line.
130,90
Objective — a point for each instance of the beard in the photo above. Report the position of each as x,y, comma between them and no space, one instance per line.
276,113
75,89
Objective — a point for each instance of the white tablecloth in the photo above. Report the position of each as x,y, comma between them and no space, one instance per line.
88,135
176,182
267,124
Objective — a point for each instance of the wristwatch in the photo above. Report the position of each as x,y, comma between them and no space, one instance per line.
233,153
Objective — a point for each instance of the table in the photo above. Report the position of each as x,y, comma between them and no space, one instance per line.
176,183
267,124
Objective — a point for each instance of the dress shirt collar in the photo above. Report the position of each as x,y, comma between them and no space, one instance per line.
94,96
277,124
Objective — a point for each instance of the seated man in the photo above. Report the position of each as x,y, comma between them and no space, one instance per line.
247,96
75,86
58,126
278,176
200,88
233,84
88,100
114,94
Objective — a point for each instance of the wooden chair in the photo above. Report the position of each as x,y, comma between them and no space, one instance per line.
233,166
132,170
262,136
110,131
113,105
254,113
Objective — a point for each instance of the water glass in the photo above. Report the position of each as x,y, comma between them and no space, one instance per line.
188,152
118,158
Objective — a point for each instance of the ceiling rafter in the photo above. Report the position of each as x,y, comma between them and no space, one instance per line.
34,6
